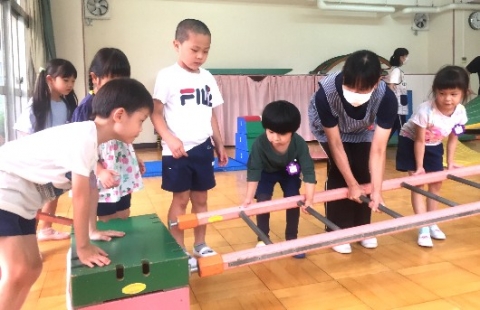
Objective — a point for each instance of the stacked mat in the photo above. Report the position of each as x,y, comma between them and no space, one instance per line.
248,129
154,168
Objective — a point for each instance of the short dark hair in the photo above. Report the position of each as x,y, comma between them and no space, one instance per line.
395,59
362,70
124,93
190,25
109,61
450,77
281,117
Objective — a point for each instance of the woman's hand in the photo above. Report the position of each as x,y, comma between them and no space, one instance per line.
354,193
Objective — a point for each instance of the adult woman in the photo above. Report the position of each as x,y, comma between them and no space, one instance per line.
351,115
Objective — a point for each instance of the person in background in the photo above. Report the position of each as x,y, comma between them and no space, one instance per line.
351,115
474,67
396,81
52,104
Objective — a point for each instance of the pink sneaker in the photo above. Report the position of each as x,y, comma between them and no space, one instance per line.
49,233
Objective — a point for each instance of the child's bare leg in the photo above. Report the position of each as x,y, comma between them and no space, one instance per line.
49,208
418,202
45,230
106,218
433,188
432,205
124,214
21,266
199,205
178,207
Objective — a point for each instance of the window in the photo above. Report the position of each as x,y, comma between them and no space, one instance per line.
13,67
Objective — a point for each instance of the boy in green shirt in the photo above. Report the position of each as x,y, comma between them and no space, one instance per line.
280,155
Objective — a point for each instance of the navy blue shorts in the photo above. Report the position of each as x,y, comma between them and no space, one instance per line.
12,224
432,160
290,184
194,173
109,208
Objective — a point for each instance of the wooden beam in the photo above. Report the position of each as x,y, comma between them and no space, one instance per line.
54,219
193,220
208,266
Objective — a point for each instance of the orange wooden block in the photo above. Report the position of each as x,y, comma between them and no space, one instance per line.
187,221
211,265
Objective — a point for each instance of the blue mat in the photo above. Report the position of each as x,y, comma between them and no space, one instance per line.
154,168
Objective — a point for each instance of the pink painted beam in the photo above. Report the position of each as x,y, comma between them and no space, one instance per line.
193,220
217,264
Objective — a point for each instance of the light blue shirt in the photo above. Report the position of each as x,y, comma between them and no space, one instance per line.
58,116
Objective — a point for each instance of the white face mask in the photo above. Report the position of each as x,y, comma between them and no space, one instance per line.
356,99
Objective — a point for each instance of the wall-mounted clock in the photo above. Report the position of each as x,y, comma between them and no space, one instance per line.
474,20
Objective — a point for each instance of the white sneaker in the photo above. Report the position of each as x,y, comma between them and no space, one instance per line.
424,238
370,243
343,248
260,244
436,233
192,261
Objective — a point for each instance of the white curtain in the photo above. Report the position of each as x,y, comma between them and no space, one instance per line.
37,53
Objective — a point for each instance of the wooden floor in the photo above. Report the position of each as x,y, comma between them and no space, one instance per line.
397,275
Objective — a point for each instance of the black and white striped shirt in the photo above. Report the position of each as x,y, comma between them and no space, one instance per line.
328,108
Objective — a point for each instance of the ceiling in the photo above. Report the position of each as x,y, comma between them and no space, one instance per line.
430,6
313,3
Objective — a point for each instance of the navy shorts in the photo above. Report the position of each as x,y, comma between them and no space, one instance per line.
432,160
194,173
12,224
109,208
290,184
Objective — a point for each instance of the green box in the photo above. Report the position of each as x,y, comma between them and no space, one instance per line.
251,129
147,259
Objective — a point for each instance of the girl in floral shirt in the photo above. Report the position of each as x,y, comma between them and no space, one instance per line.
119,172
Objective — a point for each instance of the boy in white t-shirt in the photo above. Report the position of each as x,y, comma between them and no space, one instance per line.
184,97
42,166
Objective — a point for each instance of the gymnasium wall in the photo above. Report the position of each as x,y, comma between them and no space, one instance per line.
253,35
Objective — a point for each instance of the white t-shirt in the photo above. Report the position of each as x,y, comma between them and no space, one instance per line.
437,124
397,78
58,116
188,100
48,158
